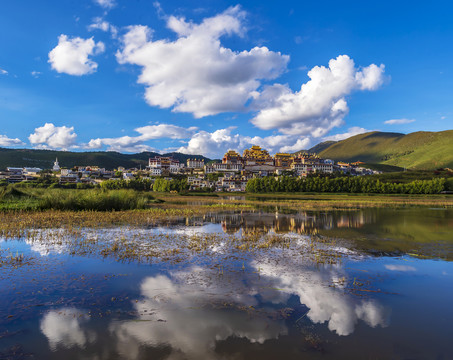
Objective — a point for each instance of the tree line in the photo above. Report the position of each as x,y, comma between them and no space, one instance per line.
356,184
159,184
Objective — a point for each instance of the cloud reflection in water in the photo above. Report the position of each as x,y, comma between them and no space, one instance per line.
326,304
63,327
183,312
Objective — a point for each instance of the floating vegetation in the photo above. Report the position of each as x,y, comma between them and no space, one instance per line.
9,259
143,245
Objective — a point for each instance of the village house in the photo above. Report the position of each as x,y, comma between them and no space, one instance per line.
234,171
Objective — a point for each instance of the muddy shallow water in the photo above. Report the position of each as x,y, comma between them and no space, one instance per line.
365,284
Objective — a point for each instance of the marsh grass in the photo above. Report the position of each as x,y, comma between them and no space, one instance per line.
14,198
94,200
132,244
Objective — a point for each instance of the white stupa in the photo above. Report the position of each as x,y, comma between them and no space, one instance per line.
56,166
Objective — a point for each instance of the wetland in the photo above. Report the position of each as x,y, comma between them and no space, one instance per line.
237,277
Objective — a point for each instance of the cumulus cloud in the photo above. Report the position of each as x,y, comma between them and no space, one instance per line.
352,131
6,141
212,144
399,121
320,104
36,74
195,73
55,137
136,143
215,144
71,55
106,4
3,72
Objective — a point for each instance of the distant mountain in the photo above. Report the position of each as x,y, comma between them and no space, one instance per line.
418,150
104,159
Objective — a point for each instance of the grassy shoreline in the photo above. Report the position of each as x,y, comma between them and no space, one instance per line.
161,204
318,201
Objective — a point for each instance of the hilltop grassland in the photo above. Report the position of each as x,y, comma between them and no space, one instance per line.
418,150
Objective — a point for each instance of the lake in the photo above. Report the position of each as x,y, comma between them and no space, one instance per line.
356,284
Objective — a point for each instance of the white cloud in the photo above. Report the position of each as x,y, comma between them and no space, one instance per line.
279,143
400,268
106,4
55,137
320,105
212,144
100,24
215,144
3,72
6,141
195,73
35,74
70,56
399,121
301,144
136,143
352,131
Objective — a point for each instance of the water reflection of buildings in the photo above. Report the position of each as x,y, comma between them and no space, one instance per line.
300,223
306,222
355,220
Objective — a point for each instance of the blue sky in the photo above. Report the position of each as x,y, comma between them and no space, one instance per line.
136,75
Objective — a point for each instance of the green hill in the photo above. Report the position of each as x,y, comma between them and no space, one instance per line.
418,150
104,159
317,148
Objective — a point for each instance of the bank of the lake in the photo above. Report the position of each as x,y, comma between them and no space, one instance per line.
13,198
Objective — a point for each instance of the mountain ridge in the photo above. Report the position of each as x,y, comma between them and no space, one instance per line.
104,159
418,150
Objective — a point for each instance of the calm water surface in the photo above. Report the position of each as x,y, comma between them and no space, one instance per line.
368,284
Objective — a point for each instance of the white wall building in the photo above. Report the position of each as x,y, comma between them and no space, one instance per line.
56,166
195,163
